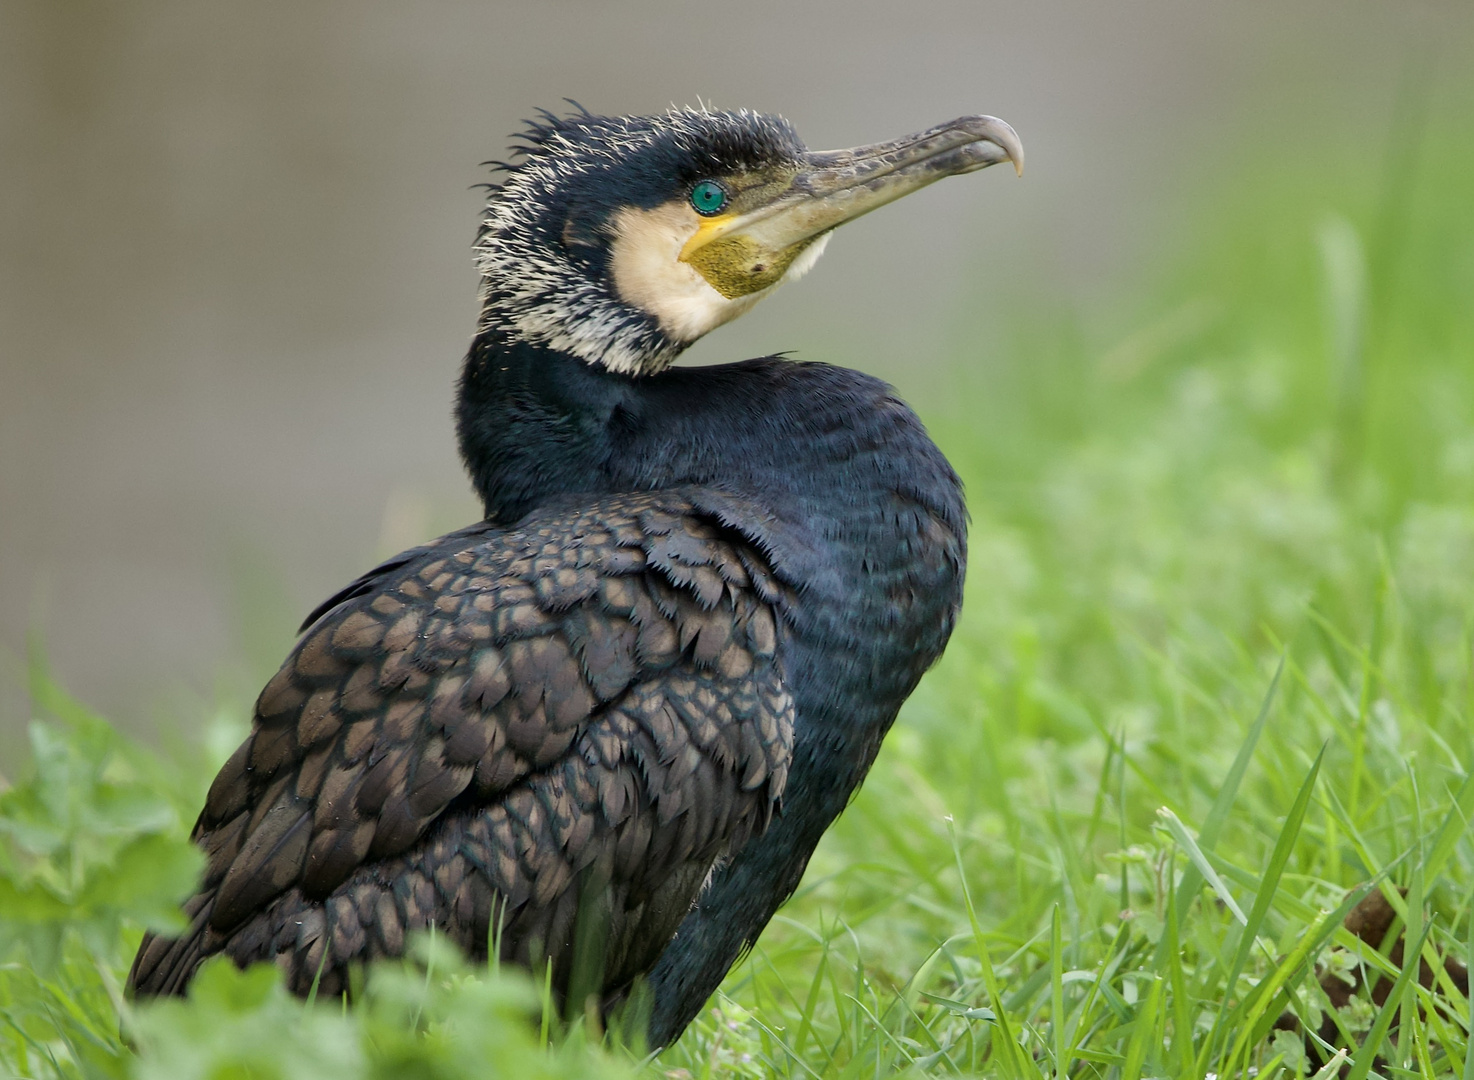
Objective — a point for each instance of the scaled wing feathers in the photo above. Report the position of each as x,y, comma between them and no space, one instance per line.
487,727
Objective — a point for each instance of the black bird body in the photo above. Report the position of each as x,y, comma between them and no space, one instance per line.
607,726
862,519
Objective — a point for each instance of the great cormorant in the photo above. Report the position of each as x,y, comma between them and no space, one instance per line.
608,724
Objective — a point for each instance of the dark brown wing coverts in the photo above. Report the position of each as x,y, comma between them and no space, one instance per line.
592,696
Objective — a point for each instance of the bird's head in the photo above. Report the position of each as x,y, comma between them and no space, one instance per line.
621,240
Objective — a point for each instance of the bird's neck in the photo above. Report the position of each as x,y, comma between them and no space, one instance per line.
813,444
533,423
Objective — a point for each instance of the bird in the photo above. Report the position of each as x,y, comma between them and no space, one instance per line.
602,730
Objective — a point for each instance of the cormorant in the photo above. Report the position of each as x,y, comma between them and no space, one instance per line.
607,725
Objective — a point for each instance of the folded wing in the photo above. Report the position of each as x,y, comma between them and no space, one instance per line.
493,733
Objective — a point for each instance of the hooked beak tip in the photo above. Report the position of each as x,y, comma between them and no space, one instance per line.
1001,134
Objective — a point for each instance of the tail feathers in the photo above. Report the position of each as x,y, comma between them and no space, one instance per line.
165,965
293,932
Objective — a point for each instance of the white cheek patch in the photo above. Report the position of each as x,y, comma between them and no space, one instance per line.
648,274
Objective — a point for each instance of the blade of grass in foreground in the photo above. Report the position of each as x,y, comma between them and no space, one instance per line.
1263,900
1004,1044
1079,1032
1195,853
1454,828
1192,878
1413,915
1057,997
1182,1025
1469,965
1145,1032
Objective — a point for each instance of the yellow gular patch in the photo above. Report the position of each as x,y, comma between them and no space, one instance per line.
690,299
738,265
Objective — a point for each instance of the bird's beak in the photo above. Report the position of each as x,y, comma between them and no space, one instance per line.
836,186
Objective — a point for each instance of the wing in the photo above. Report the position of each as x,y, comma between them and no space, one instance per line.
584,709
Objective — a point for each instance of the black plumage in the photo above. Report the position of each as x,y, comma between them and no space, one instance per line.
623,708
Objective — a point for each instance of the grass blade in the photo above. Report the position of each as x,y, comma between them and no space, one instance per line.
1057,997
1192,879
1469,1001
1455,827
1190,848
1146,1032
1263,899
1005,1045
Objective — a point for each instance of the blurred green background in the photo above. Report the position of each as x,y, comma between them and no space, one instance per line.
235,283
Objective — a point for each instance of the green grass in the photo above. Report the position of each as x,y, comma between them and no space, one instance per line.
1212,683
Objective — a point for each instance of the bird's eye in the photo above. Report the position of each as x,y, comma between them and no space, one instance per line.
708,197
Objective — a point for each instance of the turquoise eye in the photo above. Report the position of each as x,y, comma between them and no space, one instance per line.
708,197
